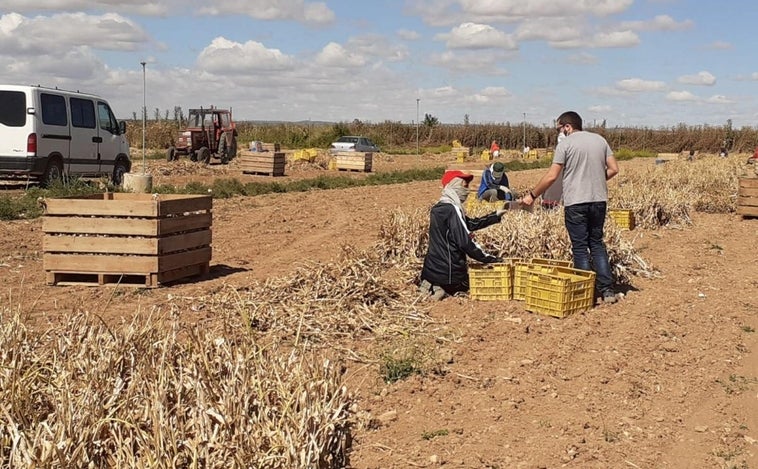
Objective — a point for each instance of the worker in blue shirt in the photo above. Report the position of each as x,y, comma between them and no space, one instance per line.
494,184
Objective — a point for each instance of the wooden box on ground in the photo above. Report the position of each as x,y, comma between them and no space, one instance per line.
624,218
560,293
271,147
461,153
141,240
747,200
271,164
353,161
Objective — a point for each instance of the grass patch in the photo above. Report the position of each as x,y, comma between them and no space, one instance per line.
623,154
395,369
434,434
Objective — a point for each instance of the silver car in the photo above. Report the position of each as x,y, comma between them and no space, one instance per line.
354,143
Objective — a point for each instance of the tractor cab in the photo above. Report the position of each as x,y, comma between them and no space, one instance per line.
210,132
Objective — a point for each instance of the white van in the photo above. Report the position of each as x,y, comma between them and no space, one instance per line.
50,133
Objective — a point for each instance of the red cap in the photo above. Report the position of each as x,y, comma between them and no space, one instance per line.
450,175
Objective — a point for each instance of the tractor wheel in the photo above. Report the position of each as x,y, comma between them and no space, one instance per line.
53,173
171,154
204,155
222,146
231,152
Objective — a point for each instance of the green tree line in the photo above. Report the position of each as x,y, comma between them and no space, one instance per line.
398,136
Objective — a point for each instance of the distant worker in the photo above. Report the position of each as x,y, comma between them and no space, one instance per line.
586,162
495,149
445,270
494,184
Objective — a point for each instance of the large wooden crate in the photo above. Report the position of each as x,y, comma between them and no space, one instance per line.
268,163
747,200
126,239
353,161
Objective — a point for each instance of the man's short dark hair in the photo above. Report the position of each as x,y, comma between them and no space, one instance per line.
571,118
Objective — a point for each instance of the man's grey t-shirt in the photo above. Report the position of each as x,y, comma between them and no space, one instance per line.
583,156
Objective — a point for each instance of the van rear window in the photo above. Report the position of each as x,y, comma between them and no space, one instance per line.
54,109
13,108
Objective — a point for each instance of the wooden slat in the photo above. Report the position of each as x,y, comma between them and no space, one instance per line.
184,259
108,264
184,272
99,245
185,223
747,201
748,192
196,203
746,211
86,207
749,183
184,241
102,226
272,159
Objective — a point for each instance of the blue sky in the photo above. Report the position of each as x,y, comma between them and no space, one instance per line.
630,62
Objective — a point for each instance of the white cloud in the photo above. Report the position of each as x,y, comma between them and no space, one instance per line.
582,58
297,10
376,45
703,78
48,34
659,23
719,99
224,56
408,35
334,55
477,36
681,96
140,7
638,85
612,39
754,76
720,45
549,29
523,9
600,108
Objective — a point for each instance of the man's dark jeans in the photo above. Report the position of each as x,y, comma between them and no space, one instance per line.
584,223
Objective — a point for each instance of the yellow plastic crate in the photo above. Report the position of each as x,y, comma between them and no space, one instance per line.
560,293
521,270
491,282
624,218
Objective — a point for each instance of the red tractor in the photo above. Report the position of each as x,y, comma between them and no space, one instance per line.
209,132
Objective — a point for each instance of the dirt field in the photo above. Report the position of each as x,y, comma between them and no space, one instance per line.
666,378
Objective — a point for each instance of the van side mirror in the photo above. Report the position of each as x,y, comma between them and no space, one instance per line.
122,127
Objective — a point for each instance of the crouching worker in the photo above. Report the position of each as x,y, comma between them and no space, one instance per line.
494,184
445,269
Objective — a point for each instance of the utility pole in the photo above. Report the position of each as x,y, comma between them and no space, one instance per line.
418,153
144,117
524,148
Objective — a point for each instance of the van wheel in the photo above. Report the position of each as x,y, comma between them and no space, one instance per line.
53,173
204,155
119,170
171,154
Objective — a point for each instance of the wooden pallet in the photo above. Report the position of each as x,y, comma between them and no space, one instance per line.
144,280
747,200
130,239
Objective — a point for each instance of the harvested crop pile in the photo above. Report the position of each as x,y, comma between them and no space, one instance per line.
84,395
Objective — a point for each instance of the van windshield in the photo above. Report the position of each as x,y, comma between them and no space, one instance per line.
12,108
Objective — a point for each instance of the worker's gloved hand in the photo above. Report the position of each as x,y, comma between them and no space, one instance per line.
499,212
505,189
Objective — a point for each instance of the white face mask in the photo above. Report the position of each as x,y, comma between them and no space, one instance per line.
462,193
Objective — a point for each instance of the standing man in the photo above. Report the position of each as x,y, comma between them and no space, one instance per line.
587,163
495,149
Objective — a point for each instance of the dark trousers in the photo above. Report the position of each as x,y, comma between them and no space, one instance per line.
584,223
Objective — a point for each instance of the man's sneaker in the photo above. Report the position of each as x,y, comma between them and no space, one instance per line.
609,297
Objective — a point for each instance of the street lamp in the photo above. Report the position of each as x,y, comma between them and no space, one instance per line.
524,149
144,117
417,147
